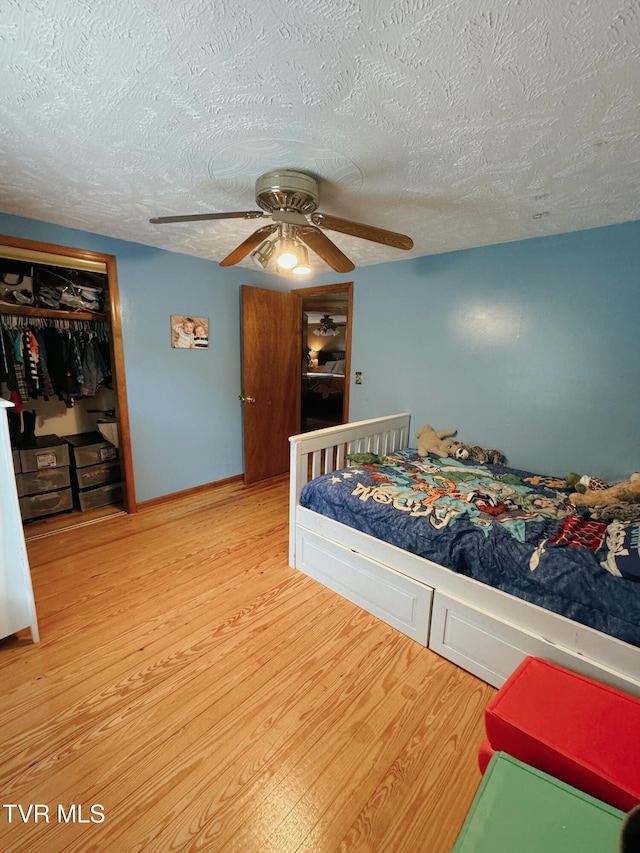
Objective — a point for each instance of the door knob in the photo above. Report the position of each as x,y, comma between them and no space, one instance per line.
246,399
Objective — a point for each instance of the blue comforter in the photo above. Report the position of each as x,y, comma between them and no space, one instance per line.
508,528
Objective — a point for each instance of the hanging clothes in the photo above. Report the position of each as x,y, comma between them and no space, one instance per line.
42,358
9,388
94,368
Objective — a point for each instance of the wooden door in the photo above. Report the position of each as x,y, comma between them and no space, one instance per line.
270,321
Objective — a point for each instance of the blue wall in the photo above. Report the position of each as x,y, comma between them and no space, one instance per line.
530,347
185,417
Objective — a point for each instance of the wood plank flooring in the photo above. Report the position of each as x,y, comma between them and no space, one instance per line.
201,695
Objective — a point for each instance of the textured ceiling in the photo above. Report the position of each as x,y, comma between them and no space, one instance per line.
458,122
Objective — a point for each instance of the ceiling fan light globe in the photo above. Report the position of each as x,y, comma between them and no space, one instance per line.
302,267
287,260
262,255
258,260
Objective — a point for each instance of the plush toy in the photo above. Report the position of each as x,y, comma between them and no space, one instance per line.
625,512
578,483
430,441
367,459
475,453
625,492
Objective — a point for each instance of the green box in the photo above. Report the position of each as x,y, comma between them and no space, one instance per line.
519,808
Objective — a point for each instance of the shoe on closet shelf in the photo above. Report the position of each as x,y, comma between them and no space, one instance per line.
49,297
74,300
23,297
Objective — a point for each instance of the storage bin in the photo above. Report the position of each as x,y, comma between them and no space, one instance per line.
49,451
90,448
48,503
568,725
519,808
44,480
101,496
97,475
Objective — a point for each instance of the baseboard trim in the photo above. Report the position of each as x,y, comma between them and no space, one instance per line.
187,493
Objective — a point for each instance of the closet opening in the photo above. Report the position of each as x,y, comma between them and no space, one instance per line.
62,365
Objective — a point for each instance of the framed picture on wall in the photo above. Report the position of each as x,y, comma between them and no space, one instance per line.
189,332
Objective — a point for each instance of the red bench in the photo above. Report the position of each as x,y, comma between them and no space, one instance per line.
575,729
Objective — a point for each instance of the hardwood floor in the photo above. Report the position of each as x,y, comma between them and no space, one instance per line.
201,695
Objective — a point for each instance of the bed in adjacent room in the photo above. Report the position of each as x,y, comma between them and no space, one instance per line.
323,389
482,563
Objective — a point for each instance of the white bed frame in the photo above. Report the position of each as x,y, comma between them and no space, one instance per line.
483,630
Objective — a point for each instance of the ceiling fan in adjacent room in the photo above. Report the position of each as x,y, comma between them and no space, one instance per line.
290,200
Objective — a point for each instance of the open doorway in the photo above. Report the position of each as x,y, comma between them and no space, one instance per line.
325,355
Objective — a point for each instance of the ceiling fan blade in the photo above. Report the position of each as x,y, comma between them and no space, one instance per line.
366,232
322,246
252,241
196,217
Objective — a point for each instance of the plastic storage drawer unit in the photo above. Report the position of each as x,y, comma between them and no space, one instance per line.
47,503
96,471
97,475
90,448
44,480
100,496
49,451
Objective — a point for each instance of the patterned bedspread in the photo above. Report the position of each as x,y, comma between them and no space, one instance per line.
511,529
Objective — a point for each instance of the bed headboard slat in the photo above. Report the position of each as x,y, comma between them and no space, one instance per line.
323,451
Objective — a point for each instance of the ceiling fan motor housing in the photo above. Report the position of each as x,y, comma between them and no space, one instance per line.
286,190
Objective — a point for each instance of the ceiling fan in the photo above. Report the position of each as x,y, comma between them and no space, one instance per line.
290,199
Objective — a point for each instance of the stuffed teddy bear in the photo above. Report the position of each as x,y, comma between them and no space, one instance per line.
430,441
627,492
475,453
578,483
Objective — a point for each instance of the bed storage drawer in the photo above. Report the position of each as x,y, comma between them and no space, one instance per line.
392,597
491,647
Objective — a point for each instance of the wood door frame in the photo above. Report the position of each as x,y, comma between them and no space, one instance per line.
117,351
320,290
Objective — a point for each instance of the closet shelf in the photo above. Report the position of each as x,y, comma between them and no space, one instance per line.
51,313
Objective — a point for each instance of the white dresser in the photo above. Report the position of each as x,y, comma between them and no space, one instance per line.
17,604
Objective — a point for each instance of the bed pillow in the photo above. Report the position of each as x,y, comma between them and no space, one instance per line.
338,366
